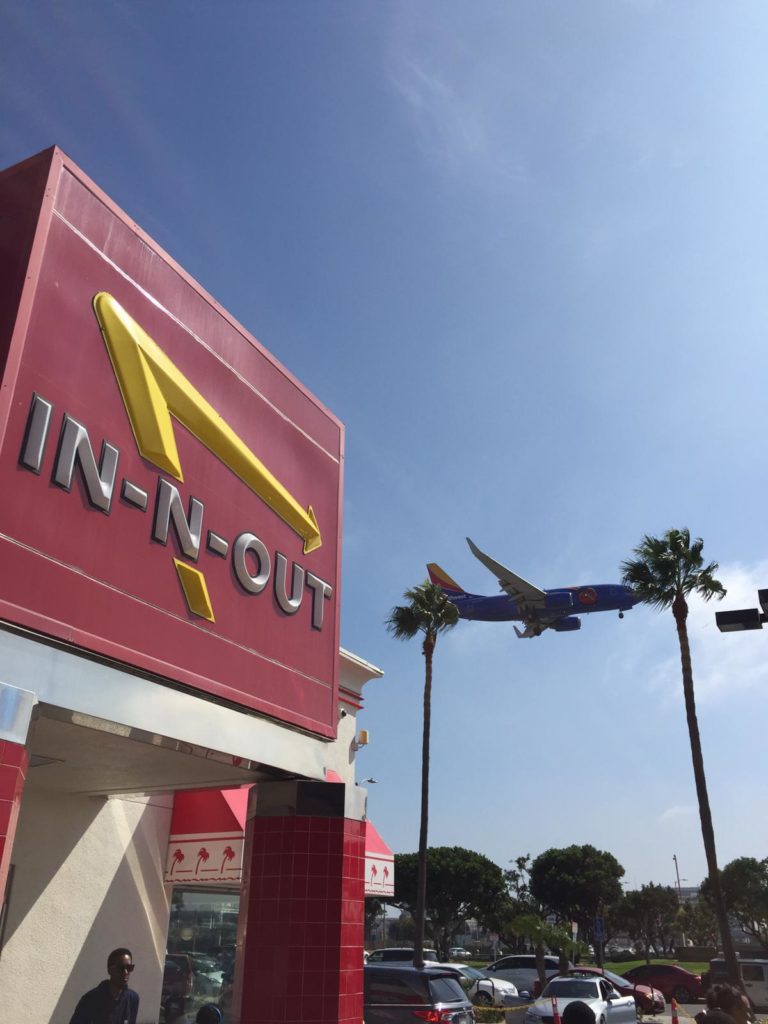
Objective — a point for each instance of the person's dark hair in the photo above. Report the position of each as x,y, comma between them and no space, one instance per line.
716,1016
117,953
208,1014
577,1012
723,997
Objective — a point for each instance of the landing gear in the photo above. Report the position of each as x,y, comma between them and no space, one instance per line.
621,615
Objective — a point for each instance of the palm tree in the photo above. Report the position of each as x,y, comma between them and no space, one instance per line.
178,857
428,612
664,573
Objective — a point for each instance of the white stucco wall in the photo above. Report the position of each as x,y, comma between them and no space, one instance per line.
88,878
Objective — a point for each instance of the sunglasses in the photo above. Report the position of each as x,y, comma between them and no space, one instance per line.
122,967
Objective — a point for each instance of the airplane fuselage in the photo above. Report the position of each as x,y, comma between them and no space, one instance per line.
600,597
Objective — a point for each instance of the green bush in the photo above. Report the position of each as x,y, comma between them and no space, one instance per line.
488,1015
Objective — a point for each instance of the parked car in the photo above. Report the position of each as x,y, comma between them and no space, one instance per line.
208,974
459,953
754,971
673,981
398,954
481,989
609,1005
648,999
520,969
178,976
395,993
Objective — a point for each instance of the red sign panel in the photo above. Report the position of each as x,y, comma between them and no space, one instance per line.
171,494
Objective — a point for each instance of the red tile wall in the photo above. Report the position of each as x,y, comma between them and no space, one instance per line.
302,945
14,761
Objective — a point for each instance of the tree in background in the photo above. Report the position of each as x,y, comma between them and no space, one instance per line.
577,883
543,936
664,573
462,884
697,921
520,903
650,915
430,613
744,884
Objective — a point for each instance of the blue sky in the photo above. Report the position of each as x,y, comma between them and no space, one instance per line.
520,249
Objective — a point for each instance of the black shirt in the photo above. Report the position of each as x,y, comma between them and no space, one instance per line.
100,1007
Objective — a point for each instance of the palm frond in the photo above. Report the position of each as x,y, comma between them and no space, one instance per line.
671,565
428,611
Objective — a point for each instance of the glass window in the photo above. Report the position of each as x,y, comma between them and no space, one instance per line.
752,972
203,927
446,990
571,989
388,990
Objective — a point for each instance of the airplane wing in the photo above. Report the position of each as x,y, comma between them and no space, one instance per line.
509,581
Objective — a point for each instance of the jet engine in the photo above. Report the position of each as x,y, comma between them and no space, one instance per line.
567,625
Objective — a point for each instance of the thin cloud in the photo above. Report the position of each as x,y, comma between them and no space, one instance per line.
724,664
676,811
453,119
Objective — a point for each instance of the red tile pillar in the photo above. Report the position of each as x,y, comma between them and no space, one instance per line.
13,771
300,940
16,706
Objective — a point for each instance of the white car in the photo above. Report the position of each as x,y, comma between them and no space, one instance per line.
459,953
482,990
609,1006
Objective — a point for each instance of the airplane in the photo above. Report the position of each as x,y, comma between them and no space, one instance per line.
523,602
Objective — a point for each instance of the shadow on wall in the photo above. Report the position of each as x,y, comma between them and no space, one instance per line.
89,878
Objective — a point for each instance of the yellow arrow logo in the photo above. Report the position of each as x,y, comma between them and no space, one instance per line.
154,389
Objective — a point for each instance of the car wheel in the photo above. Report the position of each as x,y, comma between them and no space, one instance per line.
484,999
682,994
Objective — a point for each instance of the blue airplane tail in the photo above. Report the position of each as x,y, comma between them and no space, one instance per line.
441,579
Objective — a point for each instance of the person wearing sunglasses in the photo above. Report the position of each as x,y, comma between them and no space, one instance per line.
111,1002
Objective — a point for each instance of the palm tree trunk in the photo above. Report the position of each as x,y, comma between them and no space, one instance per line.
421,877
680,611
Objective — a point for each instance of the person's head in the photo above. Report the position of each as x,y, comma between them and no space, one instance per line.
577,1012
208,1014
731,1001
715,1016
119,967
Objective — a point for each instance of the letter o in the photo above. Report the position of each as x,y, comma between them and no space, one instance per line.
243,544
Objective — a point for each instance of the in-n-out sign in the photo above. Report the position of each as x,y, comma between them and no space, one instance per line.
154,390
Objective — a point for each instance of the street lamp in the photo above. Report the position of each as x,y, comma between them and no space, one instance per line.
744,618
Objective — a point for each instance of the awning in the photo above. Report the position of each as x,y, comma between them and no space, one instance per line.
206,841
205,845
379,864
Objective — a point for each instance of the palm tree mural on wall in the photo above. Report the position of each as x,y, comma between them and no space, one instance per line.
178,857
664,573
228,854
428,612
202,856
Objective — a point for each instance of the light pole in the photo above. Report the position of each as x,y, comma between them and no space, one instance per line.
744,618
679,892
677,876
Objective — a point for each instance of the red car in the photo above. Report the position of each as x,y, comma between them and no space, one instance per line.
648,999
675,982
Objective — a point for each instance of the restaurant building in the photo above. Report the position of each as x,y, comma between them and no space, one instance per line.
178,724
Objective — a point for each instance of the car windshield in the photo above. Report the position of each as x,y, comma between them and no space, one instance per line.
615,979
473,973
571,988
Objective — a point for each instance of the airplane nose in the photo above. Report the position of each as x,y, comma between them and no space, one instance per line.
632,596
